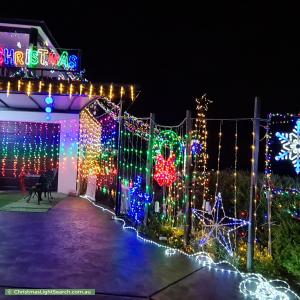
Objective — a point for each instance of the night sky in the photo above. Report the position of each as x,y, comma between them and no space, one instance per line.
178,52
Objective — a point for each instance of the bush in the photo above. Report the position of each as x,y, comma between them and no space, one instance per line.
286,244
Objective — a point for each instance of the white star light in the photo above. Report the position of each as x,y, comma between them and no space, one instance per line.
290,146
219,225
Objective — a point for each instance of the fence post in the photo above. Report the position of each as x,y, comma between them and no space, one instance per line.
187,178
253,185
119,154
149,165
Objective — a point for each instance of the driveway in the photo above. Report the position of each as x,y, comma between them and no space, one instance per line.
76,245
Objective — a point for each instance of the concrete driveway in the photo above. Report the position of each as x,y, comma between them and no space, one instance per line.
76,245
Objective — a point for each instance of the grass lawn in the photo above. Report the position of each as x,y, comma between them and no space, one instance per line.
9,197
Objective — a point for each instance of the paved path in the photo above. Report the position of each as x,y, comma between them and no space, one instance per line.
76,245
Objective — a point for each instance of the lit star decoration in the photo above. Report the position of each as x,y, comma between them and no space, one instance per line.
165,171
290,146
138,200
219,225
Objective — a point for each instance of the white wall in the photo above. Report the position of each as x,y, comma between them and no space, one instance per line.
67,172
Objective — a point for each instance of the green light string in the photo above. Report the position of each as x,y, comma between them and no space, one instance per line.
131,156
128,155
122,154
136,156
140,156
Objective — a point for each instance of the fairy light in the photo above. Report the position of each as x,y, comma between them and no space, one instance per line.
71,90
28,153
132,93
50,90
61,88
219,158
89,145
122,92
90,91
40,86
138,200
255,188
28,88
200,174
165,171
110,92
235,175
8,88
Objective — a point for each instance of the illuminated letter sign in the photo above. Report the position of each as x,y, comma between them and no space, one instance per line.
19,58
39,58
1,56
9,56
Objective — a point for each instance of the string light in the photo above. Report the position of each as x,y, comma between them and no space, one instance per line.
90,91
71,90
138,200
200,174
61,88
40,86
132,93
165,170
111,92
19,85
89,145
50,90
32,147
122,92
8,89
28,88
76,87
218,159
235,175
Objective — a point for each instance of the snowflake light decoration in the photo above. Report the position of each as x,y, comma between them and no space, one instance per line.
218,225
290,146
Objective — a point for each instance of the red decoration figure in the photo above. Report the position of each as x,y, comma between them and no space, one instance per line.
165,171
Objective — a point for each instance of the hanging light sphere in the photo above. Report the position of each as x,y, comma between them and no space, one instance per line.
49,100
48,109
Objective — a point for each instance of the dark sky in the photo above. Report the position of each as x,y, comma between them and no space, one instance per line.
180,51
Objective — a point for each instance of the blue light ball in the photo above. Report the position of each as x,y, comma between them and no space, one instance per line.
49,100
48,109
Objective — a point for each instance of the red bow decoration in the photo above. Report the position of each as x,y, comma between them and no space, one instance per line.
165,171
